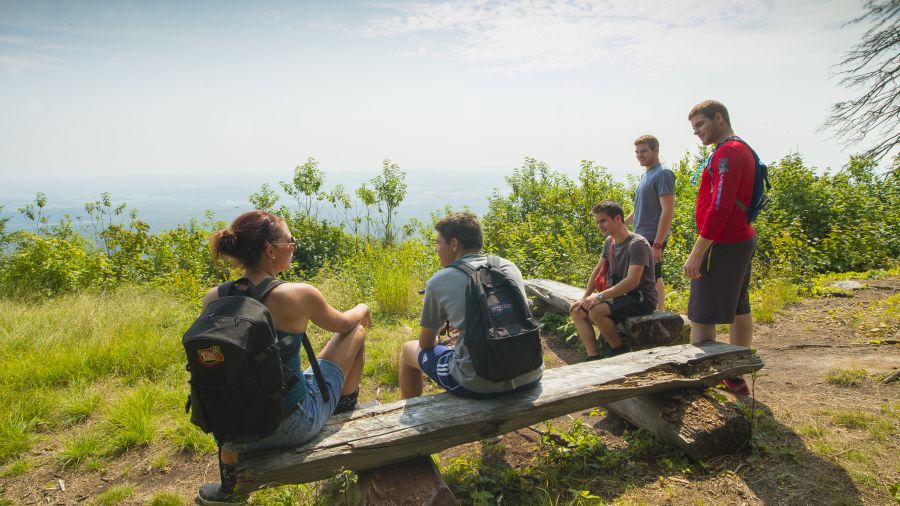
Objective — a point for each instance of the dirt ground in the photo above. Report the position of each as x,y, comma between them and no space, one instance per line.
805,457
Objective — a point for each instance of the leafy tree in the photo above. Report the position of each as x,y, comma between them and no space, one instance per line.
101,214
265,199
389,189
874,66
306,187
35,212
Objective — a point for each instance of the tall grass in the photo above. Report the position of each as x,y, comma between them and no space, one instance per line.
58,357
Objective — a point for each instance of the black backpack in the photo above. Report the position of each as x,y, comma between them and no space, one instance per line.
502,336
761,185
238,381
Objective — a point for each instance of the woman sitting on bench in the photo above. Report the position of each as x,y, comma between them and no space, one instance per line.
262,245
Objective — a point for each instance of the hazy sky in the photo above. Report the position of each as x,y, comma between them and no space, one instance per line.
241,88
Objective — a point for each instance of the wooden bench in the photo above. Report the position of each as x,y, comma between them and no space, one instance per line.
374,437
660,328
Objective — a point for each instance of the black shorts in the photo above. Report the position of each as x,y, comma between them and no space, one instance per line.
723,289
628,305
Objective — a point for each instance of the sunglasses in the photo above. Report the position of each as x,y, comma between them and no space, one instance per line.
292,242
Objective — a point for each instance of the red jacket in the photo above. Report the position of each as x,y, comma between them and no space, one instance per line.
728,176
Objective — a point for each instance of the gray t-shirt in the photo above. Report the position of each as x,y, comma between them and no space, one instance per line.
634,250
656,182
445,299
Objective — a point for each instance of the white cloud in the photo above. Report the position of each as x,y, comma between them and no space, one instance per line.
535,35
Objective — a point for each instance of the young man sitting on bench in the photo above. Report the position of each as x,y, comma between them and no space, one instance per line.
630,285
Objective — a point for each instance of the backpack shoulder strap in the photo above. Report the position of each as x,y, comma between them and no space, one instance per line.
225,288
260,291
463,266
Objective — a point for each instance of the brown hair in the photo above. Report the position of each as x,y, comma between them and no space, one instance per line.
609,208
649,140
463,227
246,238
709,108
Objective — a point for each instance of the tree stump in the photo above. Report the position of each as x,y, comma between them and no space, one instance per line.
687,419
413,482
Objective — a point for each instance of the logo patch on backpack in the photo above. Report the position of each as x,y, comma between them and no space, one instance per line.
210,357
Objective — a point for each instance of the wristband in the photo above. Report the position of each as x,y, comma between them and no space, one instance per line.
600,296
657,245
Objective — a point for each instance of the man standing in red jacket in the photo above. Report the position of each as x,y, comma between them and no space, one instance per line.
719,264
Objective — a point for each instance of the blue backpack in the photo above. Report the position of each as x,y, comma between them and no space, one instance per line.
760,182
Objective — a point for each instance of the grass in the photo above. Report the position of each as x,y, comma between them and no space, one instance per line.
187,437
88,445
79,402
115,494
772,297
846,377
133,417
166,499
16,468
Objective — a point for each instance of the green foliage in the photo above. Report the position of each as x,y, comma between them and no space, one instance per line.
771,296
265,200
318,243
824,223
544,225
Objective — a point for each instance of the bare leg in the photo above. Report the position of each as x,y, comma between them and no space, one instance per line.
661,292
600,314
702,332
412,380
741,330
347,351
585,331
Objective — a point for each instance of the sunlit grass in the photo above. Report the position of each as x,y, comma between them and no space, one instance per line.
846,377
772,297
133,417
165,499
187,437
15,468
88,445
115,494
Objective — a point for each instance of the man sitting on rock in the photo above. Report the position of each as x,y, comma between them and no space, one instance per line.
631,285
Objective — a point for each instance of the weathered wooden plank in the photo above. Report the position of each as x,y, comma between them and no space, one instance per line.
686,419
372,437
659,328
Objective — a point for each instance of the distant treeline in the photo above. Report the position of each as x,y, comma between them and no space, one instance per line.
831,222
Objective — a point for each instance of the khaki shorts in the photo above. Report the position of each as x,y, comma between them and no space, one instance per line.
723,289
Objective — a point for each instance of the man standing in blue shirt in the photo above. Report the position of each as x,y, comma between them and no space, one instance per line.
654,205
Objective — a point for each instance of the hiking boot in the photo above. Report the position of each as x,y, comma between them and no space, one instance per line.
612,352
213,494
222,493
737,386
347,402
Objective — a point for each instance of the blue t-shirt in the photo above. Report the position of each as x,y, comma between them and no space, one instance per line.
656,182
